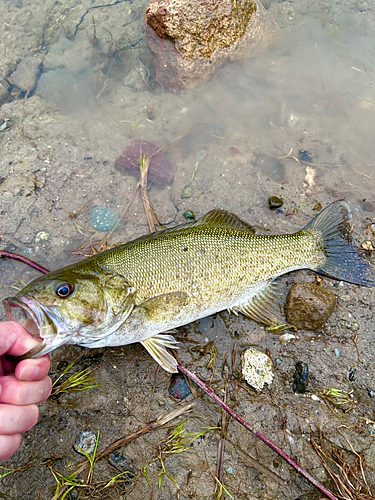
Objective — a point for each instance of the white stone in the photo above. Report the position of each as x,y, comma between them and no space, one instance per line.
257,368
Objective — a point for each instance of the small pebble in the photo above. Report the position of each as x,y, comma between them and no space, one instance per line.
187,192
121,463
368,207
87,442
292,120
274,202
234,151
205,325
338,353
179,388
351,375
229,470
304,155
42,235
103,219
371,392
300,377
285,337
278,362
353,326
201,154
189,215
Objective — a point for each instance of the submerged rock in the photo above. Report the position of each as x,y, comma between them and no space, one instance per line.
161,170
191,39
368,207
309,306
24,77
257,368
270,166
103,219
300,377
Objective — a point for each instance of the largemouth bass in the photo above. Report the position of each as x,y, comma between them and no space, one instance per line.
140,291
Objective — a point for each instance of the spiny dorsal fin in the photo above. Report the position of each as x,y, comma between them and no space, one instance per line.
265,307
223,218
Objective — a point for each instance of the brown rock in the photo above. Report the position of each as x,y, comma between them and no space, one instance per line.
192,38
308,306
161,170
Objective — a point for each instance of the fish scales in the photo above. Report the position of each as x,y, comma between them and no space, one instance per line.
139,291
213,265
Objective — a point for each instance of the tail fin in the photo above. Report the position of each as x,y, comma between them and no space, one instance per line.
342,259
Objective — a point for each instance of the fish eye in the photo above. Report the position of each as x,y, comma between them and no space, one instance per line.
64,290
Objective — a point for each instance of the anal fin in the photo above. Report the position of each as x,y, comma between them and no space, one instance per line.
266,307
157,347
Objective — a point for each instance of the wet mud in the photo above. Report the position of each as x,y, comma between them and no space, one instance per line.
295,123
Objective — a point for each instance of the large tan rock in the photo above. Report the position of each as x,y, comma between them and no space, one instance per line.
190,39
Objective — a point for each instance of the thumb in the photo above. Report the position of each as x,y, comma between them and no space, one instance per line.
14,339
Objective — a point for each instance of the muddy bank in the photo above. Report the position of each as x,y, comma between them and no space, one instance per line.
294,124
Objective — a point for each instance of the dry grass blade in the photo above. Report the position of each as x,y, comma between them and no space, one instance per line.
345,467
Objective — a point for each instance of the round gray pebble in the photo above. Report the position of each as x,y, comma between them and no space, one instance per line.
103,219
205,325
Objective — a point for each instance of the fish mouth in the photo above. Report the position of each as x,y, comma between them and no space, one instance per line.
19,311
43,323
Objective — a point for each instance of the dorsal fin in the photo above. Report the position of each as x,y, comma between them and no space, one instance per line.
214,218
223,218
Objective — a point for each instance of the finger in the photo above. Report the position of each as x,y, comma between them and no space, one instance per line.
9,445
17,392
14,339
33,369
16,419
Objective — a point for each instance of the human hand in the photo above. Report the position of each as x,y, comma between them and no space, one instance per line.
21,386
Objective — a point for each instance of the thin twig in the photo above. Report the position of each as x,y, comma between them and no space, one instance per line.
249,427
25,260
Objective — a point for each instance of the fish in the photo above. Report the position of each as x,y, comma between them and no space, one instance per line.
143,290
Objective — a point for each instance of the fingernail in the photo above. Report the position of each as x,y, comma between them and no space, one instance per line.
30,372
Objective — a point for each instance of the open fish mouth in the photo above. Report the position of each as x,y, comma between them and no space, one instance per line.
18,310
44,324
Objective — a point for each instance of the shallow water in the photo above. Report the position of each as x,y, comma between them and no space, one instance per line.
295,121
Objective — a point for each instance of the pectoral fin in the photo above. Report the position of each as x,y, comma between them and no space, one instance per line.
156,346
265,307
165,306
